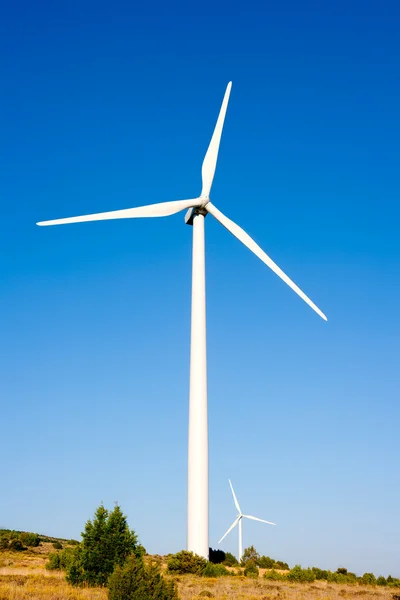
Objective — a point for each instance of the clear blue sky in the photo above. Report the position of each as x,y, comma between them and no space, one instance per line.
111,105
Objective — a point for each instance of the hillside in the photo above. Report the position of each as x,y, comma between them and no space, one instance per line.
23,576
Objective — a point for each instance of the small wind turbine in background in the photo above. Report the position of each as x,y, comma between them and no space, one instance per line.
199,208
238,521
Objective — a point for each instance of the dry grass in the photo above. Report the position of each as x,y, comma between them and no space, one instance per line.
23,577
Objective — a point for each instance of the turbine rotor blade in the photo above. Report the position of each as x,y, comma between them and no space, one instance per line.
257,519
210,159
244,237
163,209
234,498
235,522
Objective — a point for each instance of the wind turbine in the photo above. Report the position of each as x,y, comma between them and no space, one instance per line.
199,207
238,521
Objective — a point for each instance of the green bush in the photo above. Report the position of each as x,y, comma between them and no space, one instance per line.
16,545
274,575
265,562
30,539
368,579
186,562
320,573
381,580
281,565
4,541
107,542
61,560
250,553
57,545
134,581
230,560
251,569
299,575
212,570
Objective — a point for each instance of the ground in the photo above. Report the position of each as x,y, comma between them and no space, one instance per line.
23,577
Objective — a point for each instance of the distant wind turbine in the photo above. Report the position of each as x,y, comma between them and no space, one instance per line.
197,532
238,521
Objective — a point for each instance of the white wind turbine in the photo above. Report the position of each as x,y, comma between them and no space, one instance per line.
238,521
197,532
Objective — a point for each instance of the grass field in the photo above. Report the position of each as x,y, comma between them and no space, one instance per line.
23,577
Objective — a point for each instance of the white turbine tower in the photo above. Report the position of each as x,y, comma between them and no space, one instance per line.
197,532
238,521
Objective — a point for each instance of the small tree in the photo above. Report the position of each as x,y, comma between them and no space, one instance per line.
251,569
265,562
250,553
381,580
299,575
186,562
214,570
134,581
230,560
368,579
106,543
30,539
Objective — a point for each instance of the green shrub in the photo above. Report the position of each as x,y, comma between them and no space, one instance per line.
186,562
230,560
251,569
299,575
4,541
274,575
320,573
281,565
106,543
250,553
381,580
30,539
265,562
54,562
134,581
61,560
57,545
368,579
212,570
16,545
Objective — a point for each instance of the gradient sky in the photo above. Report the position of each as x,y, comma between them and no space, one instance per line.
111,105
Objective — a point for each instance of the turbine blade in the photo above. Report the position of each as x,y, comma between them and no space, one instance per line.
163,209
235,522
210,159
234,498
257,519
251,244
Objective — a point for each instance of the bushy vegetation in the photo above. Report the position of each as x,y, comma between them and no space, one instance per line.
214,570
18,541
251,569
61,560
184,562
274,575
250,553
134,580
107,542
230,560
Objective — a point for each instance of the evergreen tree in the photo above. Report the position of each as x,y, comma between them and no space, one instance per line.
106,543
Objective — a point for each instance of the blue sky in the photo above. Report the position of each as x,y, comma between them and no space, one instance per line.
111,105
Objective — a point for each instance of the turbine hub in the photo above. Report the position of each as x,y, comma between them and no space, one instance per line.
192,212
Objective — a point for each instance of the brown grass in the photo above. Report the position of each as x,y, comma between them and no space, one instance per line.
23,577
